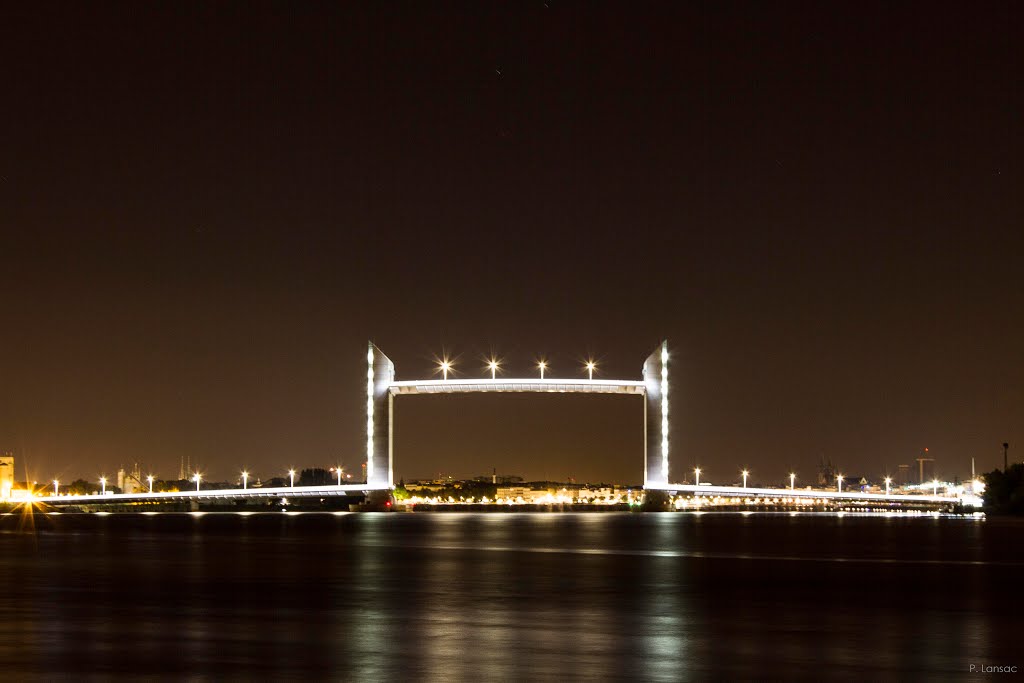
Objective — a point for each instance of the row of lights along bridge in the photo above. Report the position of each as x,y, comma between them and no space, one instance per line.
198,478
446,365
839,481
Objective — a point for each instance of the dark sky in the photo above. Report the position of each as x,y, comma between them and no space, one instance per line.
207,209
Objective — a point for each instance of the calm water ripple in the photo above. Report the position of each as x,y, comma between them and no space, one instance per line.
481,596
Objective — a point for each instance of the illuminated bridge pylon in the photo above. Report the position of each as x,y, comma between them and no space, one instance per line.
382,388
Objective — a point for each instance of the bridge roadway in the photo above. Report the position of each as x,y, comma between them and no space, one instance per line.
751,492
518,385
327,491
334,491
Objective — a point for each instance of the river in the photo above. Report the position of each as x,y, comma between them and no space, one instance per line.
508,596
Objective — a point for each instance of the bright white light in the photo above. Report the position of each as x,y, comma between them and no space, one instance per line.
543,365
590,369
493,366
197,478
745,474
839,480
245,480
369,415
664,410
792,480
291,474
978,486
696,472
103,485
56,484
150,480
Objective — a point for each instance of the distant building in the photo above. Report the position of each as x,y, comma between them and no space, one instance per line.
496,478
853,482
826,472
590,495
6,475
925,470
523,494
903,475
512,492
131,481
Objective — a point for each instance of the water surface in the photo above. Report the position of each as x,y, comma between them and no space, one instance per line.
445,596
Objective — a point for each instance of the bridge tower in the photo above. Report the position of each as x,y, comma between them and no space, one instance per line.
656,470
380,373
380,408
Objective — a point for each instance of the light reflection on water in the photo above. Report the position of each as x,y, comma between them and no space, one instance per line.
453,596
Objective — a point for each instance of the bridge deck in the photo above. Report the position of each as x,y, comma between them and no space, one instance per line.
751,492
331,491
530,384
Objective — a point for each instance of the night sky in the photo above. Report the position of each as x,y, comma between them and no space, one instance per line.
207,209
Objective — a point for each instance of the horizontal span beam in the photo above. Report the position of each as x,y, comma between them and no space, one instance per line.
739,491
207,494
531,384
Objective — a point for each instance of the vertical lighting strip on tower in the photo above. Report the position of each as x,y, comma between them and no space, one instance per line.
664,409
369,414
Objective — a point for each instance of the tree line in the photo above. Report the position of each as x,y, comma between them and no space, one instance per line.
1004,490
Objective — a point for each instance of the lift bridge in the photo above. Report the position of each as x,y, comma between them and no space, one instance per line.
382,389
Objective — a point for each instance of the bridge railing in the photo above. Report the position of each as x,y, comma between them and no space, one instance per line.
752,492
263,492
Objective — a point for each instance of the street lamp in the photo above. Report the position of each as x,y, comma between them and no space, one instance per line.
745,473
543,365
792,480
245,480
888,482
493,365
445,367
103,485
935,487
150,480
338,470
839,480
197,478
696,472
590,369
55,485
291,474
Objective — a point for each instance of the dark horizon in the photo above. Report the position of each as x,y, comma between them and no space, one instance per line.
207,211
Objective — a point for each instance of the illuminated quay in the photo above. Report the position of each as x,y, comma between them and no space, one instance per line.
685,497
